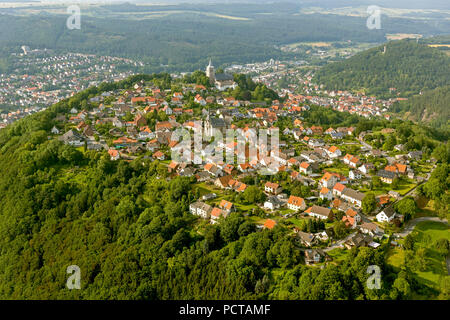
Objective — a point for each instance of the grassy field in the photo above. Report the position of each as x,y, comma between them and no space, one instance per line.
426,234
338,255
426,208
404,187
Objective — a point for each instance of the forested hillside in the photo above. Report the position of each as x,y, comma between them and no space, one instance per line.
432,106
130,231
183,37
407,66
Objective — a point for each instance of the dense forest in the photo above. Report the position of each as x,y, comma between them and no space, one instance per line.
431,106
407,66
130,231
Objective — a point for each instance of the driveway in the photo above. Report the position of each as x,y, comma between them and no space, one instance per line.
410,225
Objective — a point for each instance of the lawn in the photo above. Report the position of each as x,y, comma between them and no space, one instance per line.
427,233
338,255
404,187
426,208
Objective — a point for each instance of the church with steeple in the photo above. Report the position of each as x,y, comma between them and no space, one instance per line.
222,81
210,73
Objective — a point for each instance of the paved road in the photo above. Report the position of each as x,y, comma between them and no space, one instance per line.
448,264
338,244
410,225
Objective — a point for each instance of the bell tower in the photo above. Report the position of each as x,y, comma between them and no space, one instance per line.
210,73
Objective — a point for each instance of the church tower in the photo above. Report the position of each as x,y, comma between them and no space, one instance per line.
210,73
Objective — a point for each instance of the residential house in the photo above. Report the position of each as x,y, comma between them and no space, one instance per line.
326,193
371,228
296,203
305,168
319,212
273,188
216,213
352,196
338,189
313,256
272,203
386,176
269,224
386,215
200,209
227,206
114,154
306,239
328,180
334,152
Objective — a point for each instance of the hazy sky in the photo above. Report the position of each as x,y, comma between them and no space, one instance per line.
440,4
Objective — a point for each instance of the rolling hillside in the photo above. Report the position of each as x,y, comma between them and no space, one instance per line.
407,66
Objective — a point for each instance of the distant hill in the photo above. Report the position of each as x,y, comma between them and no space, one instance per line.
407,66
432,106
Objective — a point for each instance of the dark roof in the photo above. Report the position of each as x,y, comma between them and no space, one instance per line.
71,135
389,211
217,122
386,174
354,194
223,77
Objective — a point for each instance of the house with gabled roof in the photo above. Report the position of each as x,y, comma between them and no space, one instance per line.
338,189
305,168
386,215
216,213
319,212
334,152
328,180
227,206
326,193
353,196
273,188
296,203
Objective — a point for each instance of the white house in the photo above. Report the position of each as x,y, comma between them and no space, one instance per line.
386,215
272,203
200,209
319,212
326,193
296,203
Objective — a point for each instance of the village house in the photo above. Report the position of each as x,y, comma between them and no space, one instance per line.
306,239
334,152
114,154
200,209
328,180
338,189
305,168
353,196
296,203
386,176
273,188
313,256
216,213
272,203
371,228
319,212
227,206
386,215
326,193
269,224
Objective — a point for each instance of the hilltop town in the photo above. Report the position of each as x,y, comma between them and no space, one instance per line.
333,186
